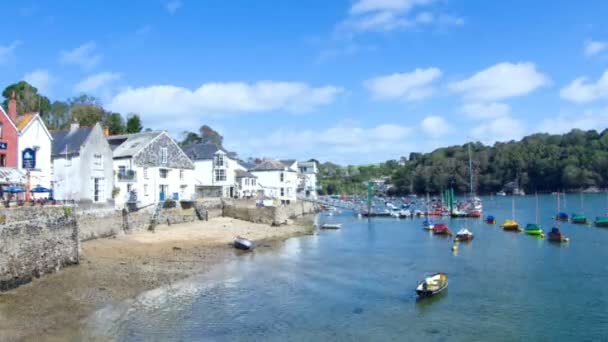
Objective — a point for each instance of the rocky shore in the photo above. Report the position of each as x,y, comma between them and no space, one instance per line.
116,269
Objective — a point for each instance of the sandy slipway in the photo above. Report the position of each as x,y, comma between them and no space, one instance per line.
112,270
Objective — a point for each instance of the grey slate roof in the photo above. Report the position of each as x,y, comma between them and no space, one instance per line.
244,174
127,145
269,165
288,162
73,140
202,151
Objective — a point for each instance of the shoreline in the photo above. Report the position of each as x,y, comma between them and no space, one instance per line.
113,270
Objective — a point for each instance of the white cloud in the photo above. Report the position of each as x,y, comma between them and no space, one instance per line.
504,128
7,52
479,110
342,143
410,86
590,119
173,5
83,56
593,47
434,126
388,15
501,81
96,82
41,79
158,102
583,90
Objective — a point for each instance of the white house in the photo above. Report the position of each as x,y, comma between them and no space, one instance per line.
276,180
247,184
82,165
307,175
214,170
34,155
150,168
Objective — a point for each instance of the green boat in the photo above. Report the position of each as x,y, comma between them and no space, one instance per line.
578,219
601,221
534,229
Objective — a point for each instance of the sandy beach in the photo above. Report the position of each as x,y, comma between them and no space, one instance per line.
119,268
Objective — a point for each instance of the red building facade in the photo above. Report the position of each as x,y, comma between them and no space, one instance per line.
9,135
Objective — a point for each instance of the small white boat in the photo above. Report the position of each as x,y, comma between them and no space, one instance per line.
432,285
464,235
243,244
331,226
501,193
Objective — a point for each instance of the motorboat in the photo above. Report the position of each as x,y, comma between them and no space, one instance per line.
490,219
405,213
556,236
510,225
243,243
331,226
534,229
441,229
464,235
501,193
432,285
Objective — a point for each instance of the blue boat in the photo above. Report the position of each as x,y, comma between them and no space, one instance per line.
491,219
428,224
562,217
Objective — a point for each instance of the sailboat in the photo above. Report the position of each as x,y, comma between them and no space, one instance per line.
475,205
555,235
579,218
561,216
511,224
535,228
602,221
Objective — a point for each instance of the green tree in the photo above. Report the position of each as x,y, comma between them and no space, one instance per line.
115,123
190,138
209,135
58,117
28,99
87,115
134,123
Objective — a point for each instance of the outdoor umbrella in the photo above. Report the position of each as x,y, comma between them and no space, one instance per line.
40,189
13,189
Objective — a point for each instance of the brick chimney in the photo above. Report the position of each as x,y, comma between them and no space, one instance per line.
12,107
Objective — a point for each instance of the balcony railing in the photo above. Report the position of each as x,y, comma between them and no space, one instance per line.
127,176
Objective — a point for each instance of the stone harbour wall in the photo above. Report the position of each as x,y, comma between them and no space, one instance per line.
247,211
36,241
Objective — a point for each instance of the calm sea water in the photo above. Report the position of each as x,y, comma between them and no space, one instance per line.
358,283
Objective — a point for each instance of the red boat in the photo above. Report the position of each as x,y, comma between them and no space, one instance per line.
441,229
474,213
556,236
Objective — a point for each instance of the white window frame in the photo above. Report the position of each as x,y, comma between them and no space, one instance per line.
164,155
282,192
181,175
219,160
220,175
163,171
145,173
282,176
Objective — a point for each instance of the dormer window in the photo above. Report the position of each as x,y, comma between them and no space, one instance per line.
219,160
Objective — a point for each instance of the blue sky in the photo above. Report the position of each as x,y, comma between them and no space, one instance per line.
348,81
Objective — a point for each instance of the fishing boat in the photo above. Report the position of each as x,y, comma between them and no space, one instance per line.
578,219
490,219
441,229
331,226
601,221
534,229
556,236
428,224
243,243
432,285
464,235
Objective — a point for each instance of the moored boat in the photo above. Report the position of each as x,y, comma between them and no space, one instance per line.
428,224
501,193
534,229
562,217
331,226
243,243
510,225
556,236
578,219
441,229
490,219
432,285
601,221
464,235
474,213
